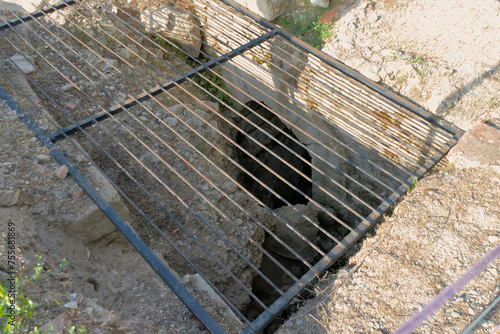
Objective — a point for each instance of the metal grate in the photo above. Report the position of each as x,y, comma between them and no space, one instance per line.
244,155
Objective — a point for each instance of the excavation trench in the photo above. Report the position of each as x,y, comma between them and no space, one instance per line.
249,199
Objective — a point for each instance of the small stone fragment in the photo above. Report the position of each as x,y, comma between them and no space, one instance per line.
328,17
125,53
320,3
110,62
435,102
455,314
43,158
62,172
493,239
71,305
171,121
81,159
23,63
60,324
78,193
15,198
71,105
40,169
68,87
177,109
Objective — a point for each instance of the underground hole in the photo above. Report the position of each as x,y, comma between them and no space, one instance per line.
258,144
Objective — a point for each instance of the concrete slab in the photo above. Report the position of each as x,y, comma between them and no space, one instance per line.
479,146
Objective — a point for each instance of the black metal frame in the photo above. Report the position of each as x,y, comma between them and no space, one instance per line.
280,304
89,121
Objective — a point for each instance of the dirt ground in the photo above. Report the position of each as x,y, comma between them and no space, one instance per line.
444,55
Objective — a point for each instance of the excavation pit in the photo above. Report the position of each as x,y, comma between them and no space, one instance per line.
242,154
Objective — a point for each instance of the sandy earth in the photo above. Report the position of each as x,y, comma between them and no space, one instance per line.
444,55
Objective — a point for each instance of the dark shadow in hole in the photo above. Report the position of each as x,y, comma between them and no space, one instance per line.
271,163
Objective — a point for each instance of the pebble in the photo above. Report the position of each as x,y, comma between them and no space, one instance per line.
171,121
72,296
24,64
455,314
71,305
125,53
71,105
493,239
177,109
372,18
78,193
68,87
231,188
110,63
40,169
81,159
150,157
43,158
62,172
121,97
143,118
487,324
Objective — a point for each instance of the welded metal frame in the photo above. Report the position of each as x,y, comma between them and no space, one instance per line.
89,121
320,267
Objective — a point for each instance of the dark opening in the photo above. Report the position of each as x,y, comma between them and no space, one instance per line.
272,163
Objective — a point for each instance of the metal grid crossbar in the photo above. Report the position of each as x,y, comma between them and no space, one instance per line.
245,157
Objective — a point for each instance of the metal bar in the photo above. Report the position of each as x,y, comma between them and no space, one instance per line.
350,100
194,212
180,225
482,316
398,99
290,124
89,121
156,264
329,259
448,293
281,178
350,82
12,23
285,245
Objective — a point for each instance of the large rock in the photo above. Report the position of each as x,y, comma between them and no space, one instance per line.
85,219
301,224
298,222
266,8
183,27
478,147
